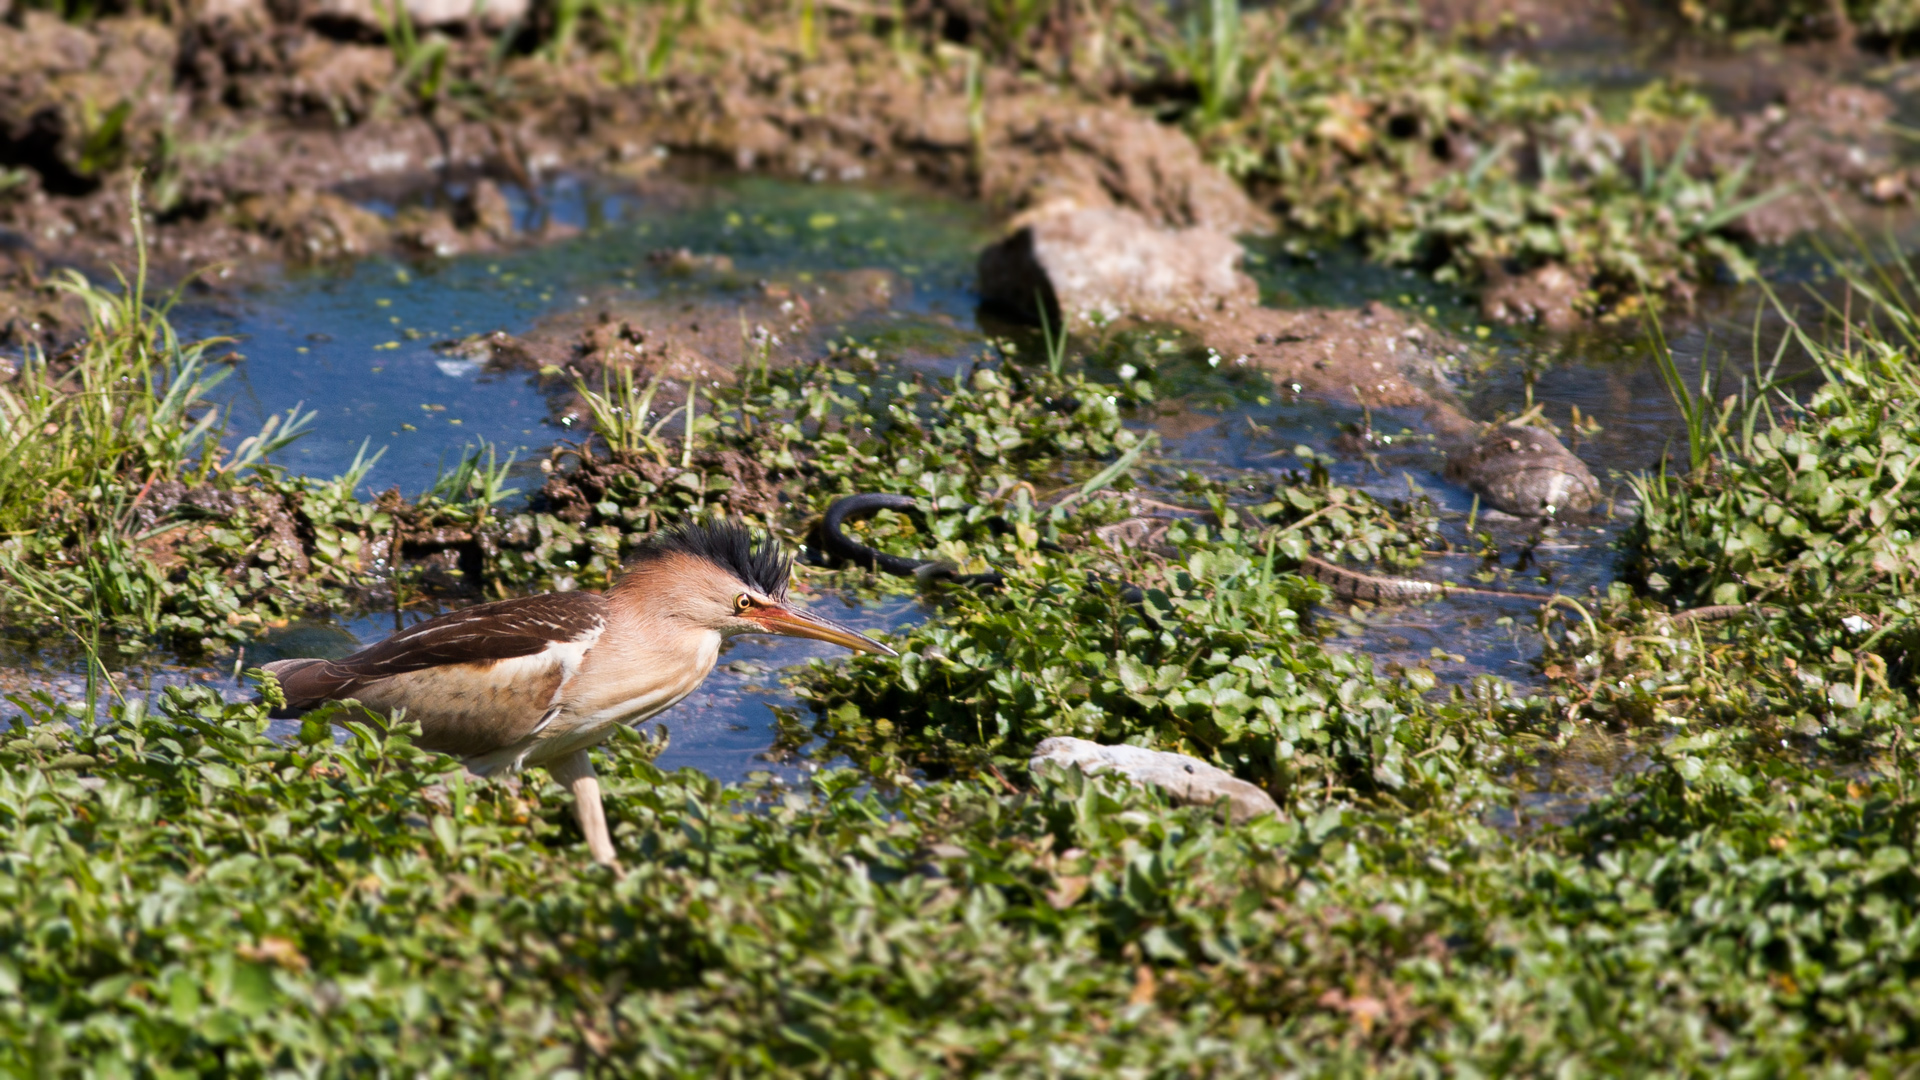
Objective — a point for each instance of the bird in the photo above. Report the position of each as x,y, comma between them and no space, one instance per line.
541,680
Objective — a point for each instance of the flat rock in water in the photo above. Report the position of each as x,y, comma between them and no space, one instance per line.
1525,471
1103,264
1187,780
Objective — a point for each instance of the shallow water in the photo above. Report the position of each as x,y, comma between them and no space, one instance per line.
356,344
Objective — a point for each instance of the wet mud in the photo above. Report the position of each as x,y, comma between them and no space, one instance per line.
255,124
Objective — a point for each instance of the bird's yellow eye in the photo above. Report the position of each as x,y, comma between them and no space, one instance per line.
741,604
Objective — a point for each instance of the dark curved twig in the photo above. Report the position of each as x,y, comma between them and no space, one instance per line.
846,549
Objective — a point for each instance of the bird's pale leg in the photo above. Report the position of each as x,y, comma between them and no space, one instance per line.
575,772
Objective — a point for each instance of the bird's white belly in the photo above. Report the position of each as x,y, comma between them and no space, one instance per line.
596,727
589,720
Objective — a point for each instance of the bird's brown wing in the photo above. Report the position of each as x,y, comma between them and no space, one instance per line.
485,632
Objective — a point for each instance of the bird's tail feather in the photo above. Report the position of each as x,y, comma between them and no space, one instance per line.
307,682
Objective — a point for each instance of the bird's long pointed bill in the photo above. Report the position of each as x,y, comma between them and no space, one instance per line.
794,623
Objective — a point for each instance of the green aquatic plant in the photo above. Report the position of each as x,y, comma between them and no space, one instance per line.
621,410
1706,423
1056,343
422,62
129,401
1771,582
342,907
479,479
1626,232
1214,661
1472,168
1808,501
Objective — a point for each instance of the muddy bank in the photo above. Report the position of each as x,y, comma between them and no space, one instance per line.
253,126
260,129
734,326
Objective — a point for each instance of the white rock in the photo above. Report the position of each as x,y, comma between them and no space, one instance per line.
1100,264
492,14
1186,780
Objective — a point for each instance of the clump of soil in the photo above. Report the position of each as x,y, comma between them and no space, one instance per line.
673,341
249,121
1548,296
1375,355
740,484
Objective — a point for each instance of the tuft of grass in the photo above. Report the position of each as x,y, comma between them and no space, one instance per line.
1695,407
1056,343
1210,53
86,434
422,63
127,405
479,479
620,411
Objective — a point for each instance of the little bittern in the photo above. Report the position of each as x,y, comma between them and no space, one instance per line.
543,679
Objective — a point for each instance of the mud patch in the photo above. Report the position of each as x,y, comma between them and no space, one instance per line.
1375,356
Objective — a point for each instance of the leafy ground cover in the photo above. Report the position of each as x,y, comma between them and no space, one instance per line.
186,894
1468,167
1793,518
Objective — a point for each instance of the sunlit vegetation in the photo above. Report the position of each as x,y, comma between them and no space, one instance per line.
186,893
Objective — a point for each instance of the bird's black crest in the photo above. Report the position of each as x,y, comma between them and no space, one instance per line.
755,560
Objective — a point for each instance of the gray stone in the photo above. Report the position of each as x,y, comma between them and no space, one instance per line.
1186,780
1525,471
1103,264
